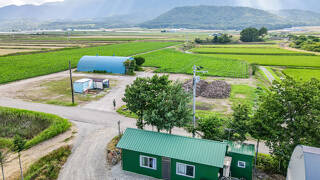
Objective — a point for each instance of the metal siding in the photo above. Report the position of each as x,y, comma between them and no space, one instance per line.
200,151
110,64
131,162
246,149
241,172
202,172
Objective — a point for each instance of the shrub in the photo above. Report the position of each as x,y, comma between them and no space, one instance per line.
268,164
139,60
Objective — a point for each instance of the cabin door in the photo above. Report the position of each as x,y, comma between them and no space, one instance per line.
166,168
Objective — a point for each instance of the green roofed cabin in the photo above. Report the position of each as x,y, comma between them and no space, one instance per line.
172,157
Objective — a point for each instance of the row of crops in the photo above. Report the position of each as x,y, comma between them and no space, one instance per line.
268,55
19,67
172,61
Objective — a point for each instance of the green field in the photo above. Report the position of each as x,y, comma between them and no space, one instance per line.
248,51
303,74
170,60
240,46
300,61
19,67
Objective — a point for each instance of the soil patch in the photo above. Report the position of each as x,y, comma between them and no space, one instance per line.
216,89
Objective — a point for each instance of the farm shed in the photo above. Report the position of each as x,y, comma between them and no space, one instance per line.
304,164
242,159
82,85
100,83
108,64
167,156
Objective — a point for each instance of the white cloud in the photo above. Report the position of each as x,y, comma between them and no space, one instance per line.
22,2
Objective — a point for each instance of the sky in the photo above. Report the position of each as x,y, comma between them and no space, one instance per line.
22,2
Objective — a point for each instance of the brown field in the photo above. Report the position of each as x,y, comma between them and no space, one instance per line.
12,51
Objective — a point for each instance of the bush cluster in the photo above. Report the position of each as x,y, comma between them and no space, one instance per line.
309,43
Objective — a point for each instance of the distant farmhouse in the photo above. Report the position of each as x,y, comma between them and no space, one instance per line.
106,64
173,157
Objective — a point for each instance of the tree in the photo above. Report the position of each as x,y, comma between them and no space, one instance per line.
213,128
130,66
3,159
138,95
139,60
170,108
240,122
249,35
18,146
290,115
263,31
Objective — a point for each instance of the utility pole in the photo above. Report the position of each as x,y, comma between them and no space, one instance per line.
196,79
71,82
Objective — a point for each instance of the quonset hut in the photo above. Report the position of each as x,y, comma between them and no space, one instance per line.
108,64
304,164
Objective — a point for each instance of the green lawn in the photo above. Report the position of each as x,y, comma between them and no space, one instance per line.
303,74
248,51
170,60
19,67
300,61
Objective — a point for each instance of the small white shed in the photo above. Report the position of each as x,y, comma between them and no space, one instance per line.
82,85
100,83
304,164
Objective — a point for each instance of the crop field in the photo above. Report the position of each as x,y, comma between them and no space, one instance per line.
249,51
240,46
303,74
299,61
19,67
172,61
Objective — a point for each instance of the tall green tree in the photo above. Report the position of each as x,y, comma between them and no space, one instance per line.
240,122
249,35
18,146
170,108
213,127
3,159
290,115
263,31
138,95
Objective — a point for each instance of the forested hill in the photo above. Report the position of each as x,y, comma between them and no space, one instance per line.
219,17
302,17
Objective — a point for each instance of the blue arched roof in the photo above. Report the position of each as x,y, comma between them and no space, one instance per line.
110,64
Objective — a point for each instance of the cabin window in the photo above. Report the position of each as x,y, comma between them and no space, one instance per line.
185,170
241,164
148,162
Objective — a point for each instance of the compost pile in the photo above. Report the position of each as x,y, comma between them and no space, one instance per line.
215,89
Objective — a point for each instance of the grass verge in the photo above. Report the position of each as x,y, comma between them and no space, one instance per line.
49,166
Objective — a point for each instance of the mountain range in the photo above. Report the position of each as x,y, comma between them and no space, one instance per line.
229,17
152,13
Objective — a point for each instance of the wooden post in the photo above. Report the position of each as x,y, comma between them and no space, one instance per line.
119,128
71,82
